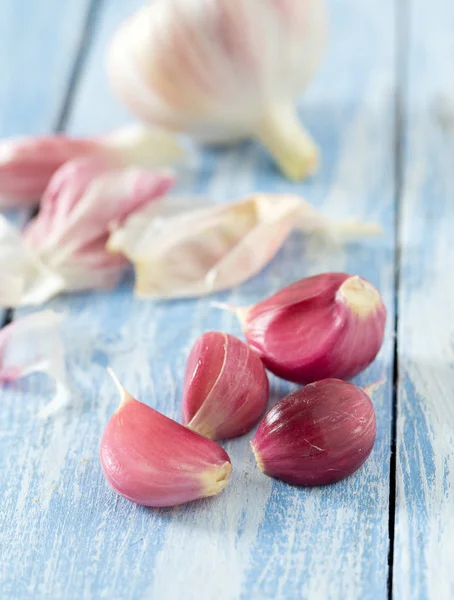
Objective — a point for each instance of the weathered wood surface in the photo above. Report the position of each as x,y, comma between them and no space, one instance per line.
424,536
39,46
64,534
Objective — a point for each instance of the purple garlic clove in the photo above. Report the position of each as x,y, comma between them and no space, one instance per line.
317,435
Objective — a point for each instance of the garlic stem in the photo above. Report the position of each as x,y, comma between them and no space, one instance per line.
296,153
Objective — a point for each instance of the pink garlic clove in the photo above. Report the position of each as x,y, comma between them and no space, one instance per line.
152,460
319,434
226,388
328,325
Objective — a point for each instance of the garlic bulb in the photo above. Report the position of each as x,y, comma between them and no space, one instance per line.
224,69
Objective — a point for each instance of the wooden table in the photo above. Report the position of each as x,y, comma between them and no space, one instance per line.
379,111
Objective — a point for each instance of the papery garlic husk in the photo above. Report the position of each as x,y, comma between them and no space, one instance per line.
152,460
318,435
226,388
27,164
34,344
224,69
189,253
328,325
24,278
63,247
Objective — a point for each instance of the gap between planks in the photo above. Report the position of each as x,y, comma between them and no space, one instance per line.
402,43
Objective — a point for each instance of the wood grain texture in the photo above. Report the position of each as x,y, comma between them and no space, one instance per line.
65,534
424,550
38,43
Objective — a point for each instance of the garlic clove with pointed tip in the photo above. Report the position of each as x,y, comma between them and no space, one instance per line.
152,460
320,434
328,325
226,388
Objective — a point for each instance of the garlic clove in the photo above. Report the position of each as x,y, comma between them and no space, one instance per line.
198,252
318,435
226,388
328,325
201,68
152,460
27,164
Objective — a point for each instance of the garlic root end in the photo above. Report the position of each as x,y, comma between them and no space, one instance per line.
258,460
215,480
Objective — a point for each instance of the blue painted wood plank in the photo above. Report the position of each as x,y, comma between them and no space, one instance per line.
38,45
424,535
38,42
260,538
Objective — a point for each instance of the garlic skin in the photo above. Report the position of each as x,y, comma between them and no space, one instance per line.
83,200
186,253
226,388
328,325
320,434
28,163
24,279
33,344
63,249
201,67
154,461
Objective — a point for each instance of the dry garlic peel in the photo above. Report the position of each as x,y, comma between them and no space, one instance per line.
226,389
27,164
223,69
152,460
24,279
198,252
63,247
34,344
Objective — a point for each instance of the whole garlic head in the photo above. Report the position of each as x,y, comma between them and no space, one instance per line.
223,69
